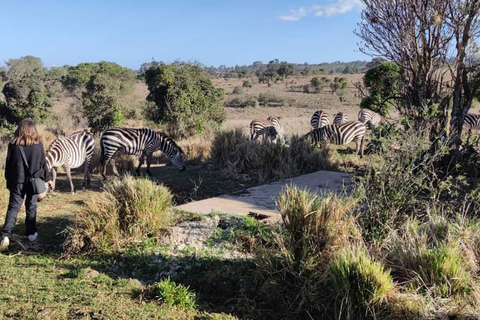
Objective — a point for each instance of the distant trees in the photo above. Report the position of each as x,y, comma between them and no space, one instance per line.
185,99
28,67
275,71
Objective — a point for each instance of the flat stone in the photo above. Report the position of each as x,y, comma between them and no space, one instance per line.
260,201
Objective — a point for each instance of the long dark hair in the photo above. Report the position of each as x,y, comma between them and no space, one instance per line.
26,133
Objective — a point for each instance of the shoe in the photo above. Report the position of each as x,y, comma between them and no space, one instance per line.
33,237
4,244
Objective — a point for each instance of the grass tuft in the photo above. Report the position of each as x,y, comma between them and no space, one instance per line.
359,284
175,295
126,211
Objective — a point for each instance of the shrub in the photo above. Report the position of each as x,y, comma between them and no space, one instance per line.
381,138
127,210
237,90
234,154
247,84
271,99
359,284
243,102
185,99
174,295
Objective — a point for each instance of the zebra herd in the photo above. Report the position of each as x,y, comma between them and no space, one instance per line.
72,151
340,132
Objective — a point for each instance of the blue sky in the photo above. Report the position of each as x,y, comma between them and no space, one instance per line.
211,32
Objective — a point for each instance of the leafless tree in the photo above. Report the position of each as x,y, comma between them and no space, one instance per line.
433,42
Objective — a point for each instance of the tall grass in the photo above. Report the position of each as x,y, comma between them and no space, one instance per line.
126,211
360,286
314,228
235,154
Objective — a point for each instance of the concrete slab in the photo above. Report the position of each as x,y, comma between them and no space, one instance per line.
260,201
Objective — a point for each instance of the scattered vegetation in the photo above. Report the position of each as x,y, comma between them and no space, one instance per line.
237,90
174,295
270,99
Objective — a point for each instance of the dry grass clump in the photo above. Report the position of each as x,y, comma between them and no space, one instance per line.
126,211
196,149
4,195
235,154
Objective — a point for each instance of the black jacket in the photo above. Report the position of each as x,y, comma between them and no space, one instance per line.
16,172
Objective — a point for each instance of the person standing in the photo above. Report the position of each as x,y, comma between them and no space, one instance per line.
17,175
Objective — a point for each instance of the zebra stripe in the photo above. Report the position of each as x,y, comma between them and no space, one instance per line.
369,117
342,134
340,118
143,142
71,152
269,128
472,122
319,119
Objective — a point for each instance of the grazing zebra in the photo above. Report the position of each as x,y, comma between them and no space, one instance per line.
340,118
472,122
319,119
143,142
369,117
71,152
342,134
269,128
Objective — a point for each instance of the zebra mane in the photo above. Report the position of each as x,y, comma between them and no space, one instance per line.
168,139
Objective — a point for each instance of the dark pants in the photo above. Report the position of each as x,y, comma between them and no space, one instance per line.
17,194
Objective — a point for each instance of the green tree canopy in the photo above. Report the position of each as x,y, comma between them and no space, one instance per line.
80,75
185,99
100,102
26,67
25,98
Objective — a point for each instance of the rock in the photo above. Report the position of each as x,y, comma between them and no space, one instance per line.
92,274
135,282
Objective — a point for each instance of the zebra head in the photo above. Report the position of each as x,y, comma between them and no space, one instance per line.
177,159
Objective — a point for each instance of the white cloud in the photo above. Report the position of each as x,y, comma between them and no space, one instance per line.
294,15
339,7
327,10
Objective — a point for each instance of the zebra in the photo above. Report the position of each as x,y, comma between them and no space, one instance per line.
341,134
269,128
340,118
472,122
319,119
369,117
71,152
143,142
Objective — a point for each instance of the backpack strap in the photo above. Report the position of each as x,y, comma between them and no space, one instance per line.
25,159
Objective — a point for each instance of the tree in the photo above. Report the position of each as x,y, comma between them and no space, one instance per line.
185,99
26,67
100,102
80,75
427,39
285,69
25,98
383,83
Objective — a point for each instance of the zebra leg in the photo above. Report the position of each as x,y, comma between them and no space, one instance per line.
361,147
54,177
149,161
69,176
86,174
103,165
140,163
114,167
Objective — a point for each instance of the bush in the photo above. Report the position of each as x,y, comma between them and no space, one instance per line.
247,84
359,284
237,90
127,210
243,102
235,154
271,99
185,99
174,295
381,138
